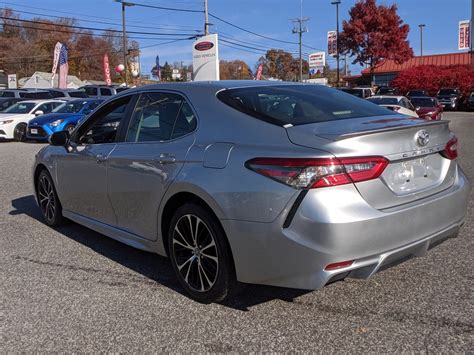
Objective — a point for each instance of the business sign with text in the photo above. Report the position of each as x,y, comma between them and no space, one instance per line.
206,58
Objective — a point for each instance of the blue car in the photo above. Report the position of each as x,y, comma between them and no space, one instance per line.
64,117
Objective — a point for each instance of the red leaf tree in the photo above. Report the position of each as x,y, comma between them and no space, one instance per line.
432,78
374,33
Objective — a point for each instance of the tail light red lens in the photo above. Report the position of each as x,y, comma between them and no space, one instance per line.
339,265
451,149
303,173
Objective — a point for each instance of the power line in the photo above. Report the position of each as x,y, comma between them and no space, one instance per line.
164,8
101,22
97,29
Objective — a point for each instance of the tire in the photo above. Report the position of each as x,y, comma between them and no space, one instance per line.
70,128
19,134
201,260
48,200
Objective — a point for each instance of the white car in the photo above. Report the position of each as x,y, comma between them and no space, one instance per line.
14,120
399,104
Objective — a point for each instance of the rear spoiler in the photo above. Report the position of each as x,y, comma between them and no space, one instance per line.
396,127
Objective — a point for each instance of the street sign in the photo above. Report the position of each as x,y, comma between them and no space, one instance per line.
464,38
12,82
332,43
206,58
316,62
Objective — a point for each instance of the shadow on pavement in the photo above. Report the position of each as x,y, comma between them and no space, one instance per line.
152,266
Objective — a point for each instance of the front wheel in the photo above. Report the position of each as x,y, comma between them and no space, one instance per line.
19,134
48,200
200,255
70,128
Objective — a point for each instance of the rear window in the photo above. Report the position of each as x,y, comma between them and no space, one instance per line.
383,100
447,92
423,102
91,91
298,104
36,95
80,94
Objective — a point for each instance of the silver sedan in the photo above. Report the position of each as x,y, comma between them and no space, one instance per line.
271,183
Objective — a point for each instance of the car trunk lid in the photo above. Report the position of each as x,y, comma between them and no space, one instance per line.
416,168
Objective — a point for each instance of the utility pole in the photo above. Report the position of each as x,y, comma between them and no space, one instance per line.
206,19
337,2
421,38
299,28
124,39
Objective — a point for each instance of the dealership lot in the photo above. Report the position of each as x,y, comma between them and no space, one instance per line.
71,289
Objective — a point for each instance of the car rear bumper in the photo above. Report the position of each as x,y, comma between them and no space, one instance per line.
336,224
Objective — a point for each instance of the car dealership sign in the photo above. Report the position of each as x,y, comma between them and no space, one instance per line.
316,62
206,58
464,39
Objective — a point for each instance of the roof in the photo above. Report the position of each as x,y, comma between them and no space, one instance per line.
38,101
389,66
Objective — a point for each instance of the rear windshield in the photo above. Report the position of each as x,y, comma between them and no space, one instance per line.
383,100
298,104
447,92
7,94
36,95
416,93
80,94
423,102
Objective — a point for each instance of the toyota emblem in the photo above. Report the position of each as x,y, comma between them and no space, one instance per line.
422,137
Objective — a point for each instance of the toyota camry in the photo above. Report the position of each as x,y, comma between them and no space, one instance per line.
280,184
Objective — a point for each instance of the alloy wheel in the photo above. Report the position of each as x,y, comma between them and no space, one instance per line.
195,252
46,198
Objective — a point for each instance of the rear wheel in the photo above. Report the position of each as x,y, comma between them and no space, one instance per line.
200,255
19,134
48,200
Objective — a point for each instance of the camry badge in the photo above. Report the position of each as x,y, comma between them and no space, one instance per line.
422,138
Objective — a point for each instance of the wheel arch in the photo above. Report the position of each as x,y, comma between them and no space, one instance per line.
180,198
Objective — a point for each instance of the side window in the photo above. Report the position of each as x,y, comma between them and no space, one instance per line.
55,93
160,117
46,108
91,91
9,94
102,127
56,104
105,92
22,95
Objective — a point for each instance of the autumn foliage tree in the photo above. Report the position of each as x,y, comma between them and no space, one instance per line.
432,78
374,33
234,70
280,64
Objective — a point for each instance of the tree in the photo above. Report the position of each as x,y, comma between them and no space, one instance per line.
374,33
234,70
280,64
432,78
166,72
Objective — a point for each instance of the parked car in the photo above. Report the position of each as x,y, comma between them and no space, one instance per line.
470,101
416,93
6,102
450,98
14,120
64,117
387,90
427,107
398,104
69,94
26,94
281,184
102,91
363,93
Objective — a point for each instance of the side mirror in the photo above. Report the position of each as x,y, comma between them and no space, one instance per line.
39,113
59,139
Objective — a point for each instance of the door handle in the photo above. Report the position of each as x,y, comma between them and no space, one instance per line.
166,159
99,158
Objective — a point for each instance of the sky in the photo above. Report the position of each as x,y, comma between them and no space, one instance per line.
270,18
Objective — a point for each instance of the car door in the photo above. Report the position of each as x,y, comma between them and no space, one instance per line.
82,171
153,151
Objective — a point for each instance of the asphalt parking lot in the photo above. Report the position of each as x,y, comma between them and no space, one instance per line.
71,289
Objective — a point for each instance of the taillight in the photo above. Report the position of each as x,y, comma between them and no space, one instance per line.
451,149
303,173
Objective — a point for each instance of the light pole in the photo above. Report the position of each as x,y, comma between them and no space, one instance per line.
337,2
300,29
421,38
124,39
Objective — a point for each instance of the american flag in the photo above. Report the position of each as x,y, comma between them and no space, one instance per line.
63,67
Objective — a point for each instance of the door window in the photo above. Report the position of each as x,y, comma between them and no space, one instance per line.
91,91
105,92
160,117
102,127
46,108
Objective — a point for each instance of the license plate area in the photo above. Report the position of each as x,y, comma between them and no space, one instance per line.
417,174
34,131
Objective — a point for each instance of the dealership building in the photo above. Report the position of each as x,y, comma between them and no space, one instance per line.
385,72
